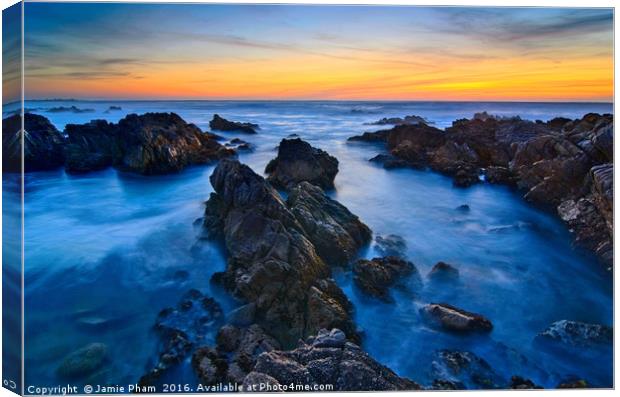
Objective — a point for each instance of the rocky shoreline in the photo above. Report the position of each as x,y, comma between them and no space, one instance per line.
562,164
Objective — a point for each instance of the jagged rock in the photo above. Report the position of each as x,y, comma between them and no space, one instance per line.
465,177
401,120
443,271
455,319
43,144
83,362
577,334
336,233
272,260
573,384
466,369
221,124
391,245
69,109
297,162
389,161
152,143
343,365
443,384
375,277
379,136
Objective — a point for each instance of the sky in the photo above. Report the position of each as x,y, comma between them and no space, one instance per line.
202,51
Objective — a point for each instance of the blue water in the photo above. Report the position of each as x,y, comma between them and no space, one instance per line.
104,247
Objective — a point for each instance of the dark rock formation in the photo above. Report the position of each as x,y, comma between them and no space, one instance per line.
336,233
43,144
375,277
399,120
221,124
573,383
443,272
69,109
519,383
577,334
297,161
272,259
559,164
389,161
152,143
465,370
454,319
391,245
83,362
183,328
330,359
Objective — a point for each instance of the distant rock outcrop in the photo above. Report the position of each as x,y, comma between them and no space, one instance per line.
221,124
297,161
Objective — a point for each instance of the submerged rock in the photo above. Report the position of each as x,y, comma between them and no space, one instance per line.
273,261
297,162
376,276
43,144
391,245
455,319
181,329
221,124
577,334
328,359
401,120
443,272
83,362
336,233
519,383
463,368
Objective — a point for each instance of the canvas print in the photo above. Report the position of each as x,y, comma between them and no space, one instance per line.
248,197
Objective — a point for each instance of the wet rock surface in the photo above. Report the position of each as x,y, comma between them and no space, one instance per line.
328,358
413,119
83,362
336,233
181,329
375,277
272,259
577,334
391,245
43,144
560,163
464,370
443,272
221,124
297,162
454,319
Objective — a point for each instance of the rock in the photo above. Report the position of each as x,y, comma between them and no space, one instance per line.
379,136
455,319
221,124
463,208
577,334
272,260
602,189
182,328
443,272
209,366
297,162
152,143
69,109
389,161
443,384
243,316
43,144
345,366
519,383
375,277
334,338
400,121
83,362
466,177
335,232
391,245
256,381
499,175
466,369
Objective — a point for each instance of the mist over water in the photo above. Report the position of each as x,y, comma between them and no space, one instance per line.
107,251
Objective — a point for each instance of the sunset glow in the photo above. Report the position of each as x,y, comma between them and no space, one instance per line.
317,52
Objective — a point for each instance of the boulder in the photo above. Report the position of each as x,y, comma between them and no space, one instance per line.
43,144
375,277
272,260
83,362
335,232
328,359
389,161
221,124
391,245
297,162
454,319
